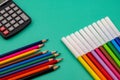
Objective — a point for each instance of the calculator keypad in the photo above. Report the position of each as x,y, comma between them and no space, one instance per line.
11,18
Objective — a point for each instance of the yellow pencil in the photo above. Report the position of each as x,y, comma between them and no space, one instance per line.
80,59
19,56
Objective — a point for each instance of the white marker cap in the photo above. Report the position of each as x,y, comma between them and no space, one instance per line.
100,32
96,35
79,43
74,45
70,47
89,33
108,28
112,26
87,38
79,36
102,27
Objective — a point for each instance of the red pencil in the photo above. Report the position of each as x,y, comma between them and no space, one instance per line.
30,69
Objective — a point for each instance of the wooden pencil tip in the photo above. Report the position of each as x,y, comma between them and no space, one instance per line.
53,52
41,45
45,51
51,59
56,67
50,66
59,59
37,49
45,40
56,54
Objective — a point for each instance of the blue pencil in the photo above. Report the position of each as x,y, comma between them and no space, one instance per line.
45,61
24,47
26,61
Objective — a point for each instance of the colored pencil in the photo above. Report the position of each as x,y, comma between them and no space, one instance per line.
113,27
25,47
30,72
89,33
19,56
45,62
95,53
27,67
26,61
40,73
22,59
102,48
90,56
28,64
20,52
80,59
89,62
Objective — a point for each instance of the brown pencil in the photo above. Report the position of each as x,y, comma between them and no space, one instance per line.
22,59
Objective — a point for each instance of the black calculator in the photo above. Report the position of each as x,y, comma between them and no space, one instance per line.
12,18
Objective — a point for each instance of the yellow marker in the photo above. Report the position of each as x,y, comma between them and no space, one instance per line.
80,59
19,56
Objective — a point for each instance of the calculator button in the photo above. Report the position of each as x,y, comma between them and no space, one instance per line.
7,25
12,22
1,18
11,28
24,17
16,8
2,28
14,15
6,32
9,18
16,25
21,21
12,5
11,11
17,18
5,15
19,11
2,11
7,8
4,21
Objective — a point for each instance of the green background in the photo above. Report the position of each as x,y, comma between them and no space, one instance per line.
52,19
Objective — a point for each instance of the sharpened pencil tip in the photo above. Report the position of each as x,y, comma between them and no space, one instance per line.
45,40
56,67
51,66
59,59
41,45
51,59
53,52
56,55
45,51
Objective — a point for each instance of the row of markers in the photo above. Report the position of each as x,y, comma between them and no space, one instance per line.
97,47
27,62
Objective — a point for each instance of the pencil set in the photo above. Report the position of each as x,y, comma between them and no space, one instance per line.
97,48
27,62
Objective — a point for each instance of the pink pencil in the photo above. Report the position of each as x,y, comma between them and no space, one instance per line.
21,52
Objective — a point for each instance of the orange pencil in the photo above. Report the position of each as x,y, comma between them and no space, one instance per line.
19,76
